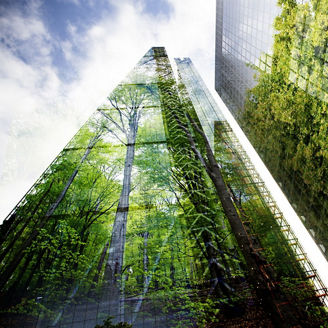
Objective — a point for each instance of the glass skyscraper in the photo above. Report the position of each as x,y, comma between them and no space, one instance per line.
244,38
282,110
154,216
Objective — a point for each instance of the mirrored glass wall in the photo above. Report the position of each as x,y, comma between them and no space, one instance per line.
271,71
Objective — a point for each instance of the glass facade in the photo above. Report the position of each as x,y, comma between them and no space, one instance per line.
283,110
154,216
244,31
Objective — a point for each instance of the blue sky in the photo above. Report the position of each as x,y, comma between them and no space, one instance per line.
59,17
61,58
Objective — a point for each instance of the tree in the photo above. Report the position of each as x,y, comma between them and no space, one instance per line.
108,324
48,247
285,115
127,103
184,129
189,175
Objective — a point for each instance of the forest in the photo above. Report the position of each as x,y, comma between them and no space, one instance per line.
285,115
140,222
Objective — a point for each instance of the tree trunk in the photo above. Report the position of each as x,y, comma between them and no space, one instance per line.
6,274
114,262
14,293
116,251
145,257
217,271
61,196
36,267
149,276
100,265
254,273
7,226
172,269
174,113
21,230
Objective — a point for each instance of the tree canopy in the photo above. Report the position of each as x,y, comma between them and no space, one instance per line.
285,115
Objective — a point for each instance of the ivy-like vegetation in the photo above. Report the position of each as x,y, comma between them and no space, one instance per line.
285,115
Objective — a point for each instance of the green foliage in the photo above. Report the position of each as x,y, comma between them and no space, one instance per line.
190,309
302,292
248,198
108,324
285,115
51,253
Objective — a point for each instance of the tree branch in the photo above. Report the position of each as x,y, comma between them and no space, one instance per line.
111,119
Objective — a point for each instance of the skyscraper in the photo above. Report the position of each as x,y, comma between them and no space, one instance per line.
282,110
153,215
244,39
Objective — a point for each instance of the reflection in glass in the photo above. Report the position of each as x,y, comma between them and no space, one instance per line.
150,217
283,110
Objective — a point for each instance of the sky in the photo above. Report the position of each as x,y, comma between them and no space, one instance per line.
61,58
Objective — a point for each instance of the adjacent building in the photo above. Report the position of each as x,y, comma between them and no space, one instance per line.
244,39
282,110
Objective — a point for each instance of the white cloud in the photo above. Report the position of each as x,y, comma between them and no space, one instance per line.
25,34
21,28
44,113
